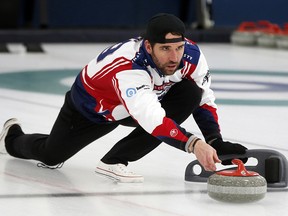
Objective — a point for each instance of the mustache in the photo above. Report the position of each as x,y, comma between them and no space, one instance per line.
172,62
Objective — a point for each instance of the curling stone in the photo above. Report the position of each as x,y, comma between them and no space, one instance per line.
245,34
271,164
269,34
244,38
237,186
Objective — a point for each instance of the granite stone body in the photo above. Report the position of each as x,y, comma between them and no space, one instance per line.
237,189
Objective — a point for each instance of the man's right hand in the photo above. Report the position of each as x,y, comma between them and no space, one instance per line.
206,155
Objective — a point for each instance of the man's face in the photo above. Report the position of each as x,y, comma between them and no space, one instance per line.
167,56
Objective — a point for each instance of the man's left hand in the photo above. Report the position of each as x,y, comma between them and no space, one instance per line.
226,147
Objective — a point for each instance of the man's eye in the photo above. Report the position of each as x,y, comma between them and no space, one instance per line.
180,48
165,48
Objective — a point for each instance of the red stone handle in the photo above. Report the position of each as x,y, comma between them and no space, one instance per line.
240,171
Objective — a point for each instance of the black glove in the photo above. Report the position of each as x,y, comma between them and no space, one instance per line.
225,147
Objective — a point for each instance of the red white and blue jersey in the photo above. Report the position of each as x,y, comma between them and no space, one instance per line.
123,81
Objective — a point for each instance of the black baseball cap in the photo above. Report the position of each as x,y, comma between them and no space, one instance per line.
161,24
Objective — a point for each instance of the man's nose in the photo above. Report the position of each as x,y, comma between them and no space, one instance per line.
173,56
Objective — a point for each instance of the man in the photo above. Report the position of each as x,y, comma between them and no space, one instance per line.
153,84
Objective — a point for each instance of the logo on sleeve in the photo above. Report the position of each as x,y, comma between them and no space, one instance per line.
206,78
173,132
130,92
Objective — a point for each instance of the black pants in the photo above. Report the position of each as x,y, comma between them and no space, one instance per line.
72,132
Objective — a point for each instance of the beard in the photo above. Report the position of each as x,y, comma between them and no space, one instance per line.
168,68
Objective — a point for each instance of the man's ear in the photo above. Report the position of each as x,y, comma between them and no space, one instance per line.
148,46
